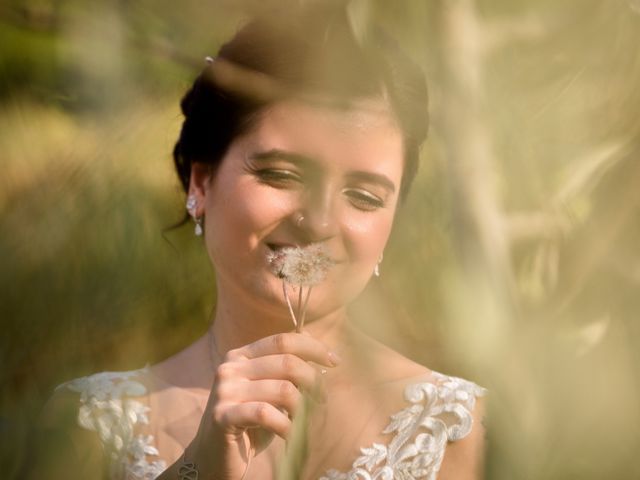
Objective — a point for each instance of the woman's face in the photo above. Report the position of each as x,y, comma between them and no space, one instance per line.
338,169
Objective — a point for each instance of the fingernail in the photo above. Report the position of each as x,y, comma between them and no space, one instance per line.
334,359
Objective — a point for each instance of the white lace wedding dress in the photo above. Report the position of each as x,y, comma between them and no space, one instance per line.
118,407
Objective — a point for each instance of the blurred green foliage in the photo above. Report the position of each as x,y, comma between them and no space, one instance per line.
91,279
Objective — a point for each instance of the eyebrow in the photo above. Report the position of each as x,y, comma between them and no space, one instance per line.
277,154
371,177
360,175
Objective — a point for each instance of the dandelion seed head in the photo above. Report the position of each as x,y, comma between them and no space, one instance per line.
275,260
305,266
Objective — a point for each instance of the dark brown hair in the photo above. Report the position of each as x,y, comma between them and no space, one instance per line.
310,49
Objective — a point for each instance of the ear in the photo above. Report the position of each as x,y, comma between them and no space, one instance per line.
199,184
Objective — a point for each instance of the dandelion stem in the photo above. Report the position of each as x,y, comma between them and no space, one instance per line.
304,310
299,315
286,297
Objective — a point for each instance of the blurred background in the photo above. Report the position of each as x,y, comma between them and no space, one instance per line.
515,262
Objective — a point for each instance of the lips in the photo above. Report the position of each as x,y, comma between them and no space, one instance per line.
274,247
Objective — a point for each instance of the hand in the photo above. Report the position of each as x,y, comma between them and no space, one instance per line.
256,387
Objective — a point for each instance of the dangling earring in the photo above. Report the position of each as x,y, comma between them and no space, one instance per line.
376,270
198,230
192,206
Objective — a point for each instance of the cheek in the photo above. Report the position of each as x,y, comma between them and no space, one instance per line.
364,237
263,207
367,235
249,210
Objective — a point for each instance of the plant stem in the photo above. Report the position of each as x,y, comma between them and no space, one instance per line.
304,309
286,297
300,313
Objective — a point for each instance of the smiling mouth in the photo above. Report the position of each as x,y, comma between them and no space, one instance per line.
277,247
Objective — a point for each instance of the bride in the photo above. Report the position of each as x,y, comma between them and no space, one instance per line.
298,146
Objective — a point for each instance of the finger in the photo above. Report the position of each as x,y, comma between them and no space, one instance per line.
279,393
303,346
285,367
252,414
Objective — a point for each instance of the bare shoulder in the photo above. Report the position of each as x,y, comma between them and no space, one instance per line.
408,391
455,403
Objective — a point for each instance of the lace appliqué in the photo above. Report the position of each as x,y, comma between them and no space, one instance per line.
108,407
439,412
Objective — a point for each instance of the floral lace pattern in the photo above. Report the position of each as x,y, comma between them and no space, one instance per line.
438,413
108,407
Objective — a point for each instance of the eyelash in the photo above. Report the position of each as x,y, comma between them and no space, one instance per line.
277,178
363,200
360,199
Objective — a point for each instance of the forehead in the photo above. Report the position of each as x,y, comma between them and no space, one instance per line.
365,135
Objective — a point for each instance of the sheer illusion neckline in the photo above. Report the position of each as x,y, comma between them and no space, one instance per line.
162,383
436,411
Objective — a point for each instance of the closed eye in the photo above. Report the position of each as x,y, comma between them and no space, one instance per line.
278,178
364,200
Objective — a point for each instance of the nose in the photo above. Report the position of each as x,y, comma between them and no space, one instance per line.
318,220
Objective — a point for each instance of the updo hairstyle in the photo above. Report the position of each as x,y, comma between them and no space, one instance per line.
309,51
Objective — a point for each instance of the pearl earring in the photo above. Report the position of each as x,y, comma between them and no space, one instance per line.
198,230
376,269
